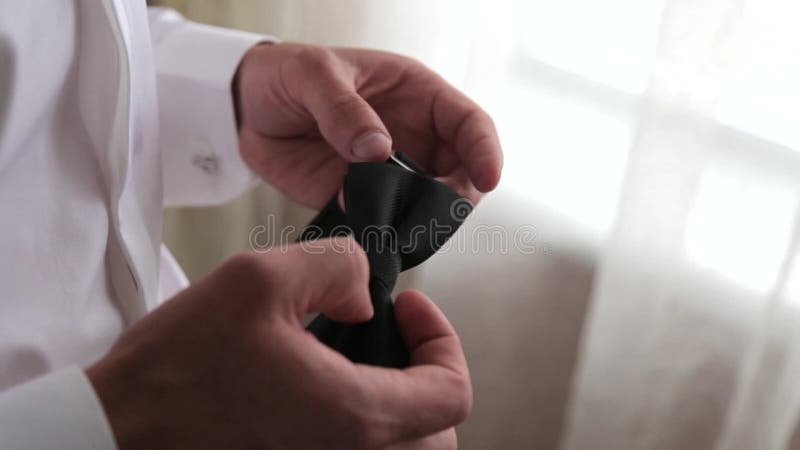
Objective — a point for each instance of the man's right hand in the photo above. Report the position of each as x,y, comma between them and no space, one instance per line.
226,363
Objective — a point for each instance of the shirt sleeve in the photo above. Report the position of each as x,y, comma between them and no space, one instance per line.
195,65
59,410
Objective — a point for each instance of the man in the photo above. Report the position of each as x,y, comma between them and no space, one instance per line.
89,154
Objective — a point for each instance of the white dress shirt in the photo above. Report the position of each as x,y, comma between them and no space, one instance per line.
107,113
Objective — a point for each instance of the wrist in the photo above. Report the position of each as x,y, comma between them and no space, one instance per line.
124,405
236,85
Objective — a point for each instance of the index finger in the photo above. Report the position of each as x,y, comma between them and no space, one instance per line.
433,394
471,134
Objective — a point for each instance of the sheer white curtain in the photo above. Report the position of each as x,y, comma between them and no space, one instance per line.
692,340
654,146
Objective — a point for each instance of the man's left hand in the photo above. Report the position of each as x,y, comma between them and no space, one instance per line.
306,111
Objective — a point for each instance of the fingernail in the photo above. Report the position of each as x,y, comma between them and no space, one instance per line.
340,199
372,145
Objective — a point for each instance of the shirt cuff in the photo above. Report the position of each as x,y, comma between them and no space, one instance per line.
199,141
59,410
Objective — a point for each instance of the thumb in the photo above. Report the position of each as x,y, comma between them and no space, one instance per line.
346,120
433,394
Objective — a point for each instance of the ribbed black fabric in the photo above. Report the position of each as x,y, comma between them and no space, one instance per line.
400,217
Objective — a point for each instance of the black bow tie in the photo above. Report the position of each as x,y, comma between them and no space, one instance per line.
400,216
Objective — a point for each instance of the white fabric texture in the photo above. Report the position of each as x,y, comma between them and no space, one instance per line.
58,410
653,145
198,132
81,190
692,340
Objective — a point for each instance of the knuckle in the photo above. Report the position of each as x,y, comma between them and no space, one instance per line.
251,269
477,116
485,117
348,253
408,64
463,389
318,65
240,265
315,64
315,58
356,258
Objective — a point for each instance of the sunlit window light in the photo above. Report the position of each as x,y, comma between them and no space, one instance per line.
611,42
762,93
565,154
739,227
792,288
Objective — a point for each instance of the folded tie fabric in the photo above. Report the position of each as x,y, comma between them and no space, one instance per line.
400,216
